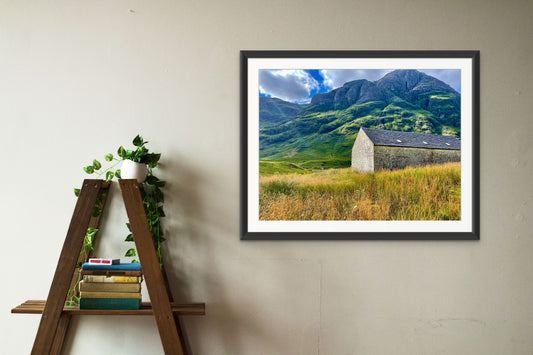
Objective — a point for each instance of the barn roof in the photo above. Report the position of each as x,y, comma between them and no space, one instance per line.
413,140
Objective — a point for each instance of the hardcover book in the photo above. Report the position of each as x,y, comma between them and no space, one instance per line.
115,267
109,303
109,273
136,295
104,261
111,279
109,287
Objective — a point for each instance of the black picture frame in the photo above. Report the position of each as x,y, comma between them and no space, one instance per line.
251,61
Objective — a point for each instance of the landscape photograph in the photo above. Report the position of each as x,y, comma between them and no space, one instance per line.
359,144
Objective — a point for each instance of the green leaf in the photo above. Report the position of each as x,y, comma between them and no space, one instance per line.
100,198
135,261
117,173
138,141
109,176
108,157
121,152
154,219
78,264
129,154
131,252
160,211
96,211
129,226
129,238
158,195
151,179
151,159
91,232
96,164
89,169
77,192
88,246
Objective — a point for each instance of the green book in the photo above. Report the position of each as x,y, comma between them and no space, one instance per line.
85,294
109,303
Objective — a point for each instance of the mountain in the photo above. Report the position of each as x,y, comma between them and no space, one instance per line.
426,92
275,111
351,93
321,134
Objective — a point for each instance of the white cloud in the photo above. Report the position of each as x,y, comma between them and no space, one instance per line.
288,85
338,77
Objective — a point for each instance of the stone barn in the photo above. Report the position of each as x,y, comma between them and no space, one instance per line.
376,149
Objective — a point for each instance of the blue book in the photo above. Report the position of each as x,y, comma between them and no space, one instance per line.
109,303
115,267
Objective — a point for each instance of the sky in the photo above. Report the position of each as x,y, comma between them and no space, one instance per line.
299,85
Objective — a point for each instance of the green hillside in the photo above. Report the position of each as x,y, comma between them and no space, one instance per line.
275,111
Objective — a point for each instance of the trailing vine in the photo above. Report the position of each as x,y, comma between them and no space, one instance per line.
72,298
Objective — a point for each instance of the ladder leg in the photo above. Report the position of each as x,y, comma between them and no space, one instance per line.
93,223
61,332
181,333
65,267
150,267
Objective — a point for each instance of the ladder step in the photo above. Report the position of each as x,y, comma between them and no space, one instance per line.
37,306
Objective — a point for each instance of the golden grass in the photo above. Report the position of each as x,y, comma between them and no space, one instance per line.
417,193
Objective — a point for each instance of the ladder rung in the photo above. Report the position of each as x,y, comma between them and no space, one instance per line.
37,306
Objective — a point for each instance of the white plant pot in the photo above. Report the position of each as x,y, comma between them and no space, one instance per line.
133,170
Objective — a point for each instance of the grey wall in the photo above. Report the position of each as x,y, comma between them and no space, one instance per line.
400,157
79,78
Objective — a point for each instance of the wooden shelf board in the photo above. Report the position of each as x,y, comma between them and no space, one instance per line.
37,306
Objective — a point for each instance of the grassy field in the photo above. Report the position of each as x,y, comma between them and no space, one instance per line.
418,193
279,168
284,167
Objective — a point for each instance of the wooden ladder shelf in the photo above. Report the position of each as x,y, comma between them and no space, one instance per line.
56,316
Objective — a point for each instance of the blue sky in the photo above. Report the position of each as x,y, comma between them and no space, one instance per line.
298,85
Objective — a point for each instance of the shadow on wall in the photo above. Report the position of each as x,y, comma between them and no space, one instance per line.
194,231
203,261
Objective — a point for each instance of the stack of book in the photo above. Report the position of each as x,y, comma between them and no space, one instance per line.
108,284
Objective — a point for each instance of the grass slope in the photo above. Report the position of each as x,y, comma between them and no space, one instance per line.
268,168
417,193
274,111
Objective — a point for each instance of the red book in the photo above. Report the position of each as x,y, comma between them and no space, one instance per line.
104,261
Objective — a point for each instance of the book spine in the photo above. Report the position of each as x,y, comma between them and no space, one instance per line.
111,272
112,279
117,267
104,261
86,294
109,287
109,303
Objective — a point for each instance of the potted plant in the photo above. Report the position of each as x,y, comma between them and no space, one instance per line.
135,162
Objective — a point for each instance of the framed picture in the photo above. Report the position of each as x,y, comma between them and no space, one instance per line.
360,145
